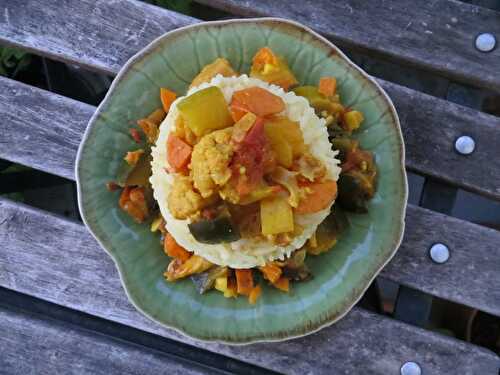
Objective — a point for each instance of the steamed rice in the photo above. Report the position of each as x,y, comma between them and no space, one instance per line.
245,253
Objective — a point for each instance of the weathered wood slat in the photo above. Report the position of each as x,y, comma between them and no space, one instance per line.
32,344
46,129
430,125
435,35
471,276
40,129
57,260
98,35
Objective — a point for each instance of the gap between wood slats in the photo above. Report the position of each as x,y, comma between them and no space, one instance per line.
58,261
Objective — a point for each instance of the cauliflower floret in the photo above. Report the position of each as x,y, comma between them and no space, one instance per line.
210,161
183,200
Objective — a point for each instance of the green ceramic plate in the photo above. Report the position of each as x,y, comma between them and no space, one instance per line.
340,276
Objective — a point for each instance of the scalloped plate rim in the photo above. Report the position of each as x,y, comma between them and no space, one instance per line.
151,46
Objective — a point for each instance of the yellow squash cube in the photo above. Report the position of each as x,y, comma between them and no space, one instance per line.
205,111
276,216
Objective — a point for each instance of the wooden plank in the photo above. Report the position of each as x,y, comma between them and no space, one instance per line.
32,344
431,126
58,261
46,129
97,35
54,125
471,276
434,35
437,35
40,129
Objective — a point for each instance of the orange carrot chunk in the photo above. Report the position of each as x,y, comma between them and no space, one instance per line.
282,284
167,98
244,281
319,196
133,202
271,272
254,294
327,86
178,153
264,56
258,101
174,250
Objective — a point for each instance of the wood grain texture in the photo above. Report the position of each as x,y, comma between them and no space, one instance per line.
435,35
41,129
104,35
471,276
99,35
57,260
31,344
46,129
430,128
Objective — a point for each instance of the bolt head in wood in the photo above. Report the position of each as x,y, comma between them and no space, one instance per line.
485,42
439,253
465,145
411,368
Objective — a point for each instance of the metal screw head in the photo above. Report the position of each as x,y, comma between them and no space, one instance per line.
410,368
485,42
439,253
465,145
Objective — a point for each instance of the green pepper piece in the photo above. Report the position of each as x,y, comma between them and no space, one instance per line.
317,100
353,193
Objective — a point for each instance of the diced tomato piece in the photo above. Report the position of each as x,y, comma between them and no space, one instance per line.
248,160
355,158
257,100
134,133
178,153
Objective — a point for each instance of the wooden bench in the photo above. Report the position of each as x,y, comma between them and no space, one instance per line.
48,258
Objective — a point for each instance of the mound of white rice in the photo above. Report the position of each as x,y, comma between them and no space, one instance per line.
244,253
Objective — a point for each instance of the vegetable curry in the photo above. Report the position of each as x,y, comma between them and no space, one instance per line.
242,170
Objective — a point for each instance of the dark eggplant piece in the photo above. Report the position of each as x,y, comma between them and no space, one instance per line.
344,145
297,274
137,175
295,268
336,131
353,193
205,281
297,259
329,231
214,231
